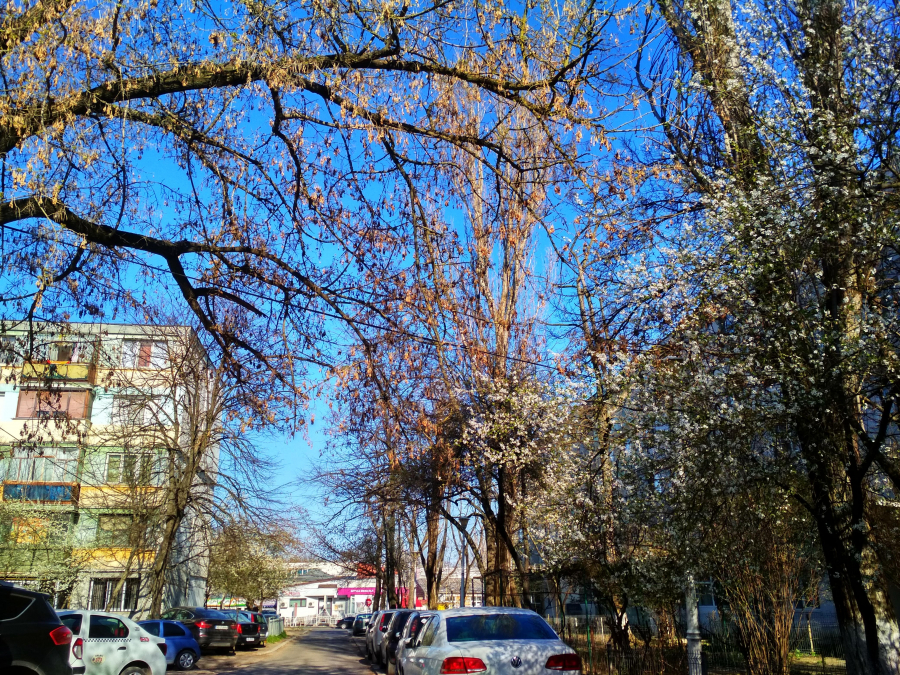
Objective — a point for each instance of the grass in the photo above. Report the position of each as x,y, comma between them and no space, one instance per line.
272,639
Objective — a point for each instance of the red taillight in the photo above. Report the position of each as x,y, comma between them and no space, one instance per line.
61,635
203,624
78,649
461,665
564,662
239,629
162,647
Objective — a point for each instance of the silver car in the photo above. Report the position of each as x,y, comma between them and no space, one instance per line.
501,640
412,631
378,634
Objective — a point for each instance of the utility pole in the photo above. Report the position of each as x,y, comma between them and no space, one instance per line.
463,565
694,654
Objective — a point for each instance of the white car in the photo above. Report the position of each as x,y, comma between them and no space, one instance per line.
496,640
109,644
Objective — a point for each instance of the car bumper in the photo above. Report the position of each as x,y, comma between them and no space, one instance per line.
248,640
210,641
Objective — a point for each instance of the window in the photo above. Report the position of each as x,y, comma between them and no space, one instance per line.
498,627
428,637
137,410
173,630
130,468
107,627
114,529
419,623
48,529
72,622
103,589
144,354
35,404
9,351
62,352
13,605
30,530
301,602
40,465
151,627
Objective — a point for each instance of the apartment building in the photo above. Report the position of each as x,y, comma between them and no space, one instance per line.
92,424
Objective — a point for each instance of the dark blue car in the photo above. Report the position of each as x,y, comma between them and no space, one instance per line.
182,649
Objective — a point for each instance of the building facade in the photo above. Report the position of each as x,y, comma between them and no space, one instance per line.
90,423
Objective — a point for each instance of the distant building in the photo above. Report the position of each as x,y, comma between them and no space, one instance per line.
331,590
83,409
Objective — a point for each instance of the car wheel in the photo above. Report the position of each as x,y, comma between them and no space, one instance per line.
185,659
133,670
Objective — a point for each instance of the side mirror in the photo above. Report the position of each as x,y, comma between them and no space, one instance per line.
397,635
408,642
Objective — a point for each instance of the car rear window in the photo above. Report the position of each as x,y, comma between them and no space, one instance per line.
498,627
151,627
172,630
13,605
212,614
72,622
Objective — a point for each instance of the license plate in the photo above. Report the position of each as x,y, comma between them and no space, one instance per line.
221,627
251,639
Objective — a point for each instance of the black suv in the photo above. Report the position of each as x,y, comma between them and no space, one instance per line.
247,627
32,638
210,627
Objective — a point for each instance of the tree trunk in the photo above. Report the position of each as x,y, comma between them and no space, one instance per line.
859,584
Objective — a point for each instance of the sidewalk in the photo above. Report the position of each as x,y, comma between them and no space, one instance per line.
216,663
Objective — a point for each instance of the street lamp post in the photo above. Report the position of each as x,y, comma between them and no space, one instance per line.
464,523
692,618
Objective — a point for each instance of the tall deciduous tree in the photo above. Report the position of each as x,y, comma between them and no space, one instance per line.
777,124
264,160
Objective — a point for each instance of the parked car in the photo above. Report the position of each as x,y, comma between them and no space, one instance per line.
346,622
269,612
501,640
109,644
370,631
262,621
182,650
247,628
210,627
378,634
31,634
360,623
392,636
415,625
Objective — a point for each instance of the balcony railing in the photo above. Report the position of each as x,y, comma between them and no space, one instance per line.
46,493
73,372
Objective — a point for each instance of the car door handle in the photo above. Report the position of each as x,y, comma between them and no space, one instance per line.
121,649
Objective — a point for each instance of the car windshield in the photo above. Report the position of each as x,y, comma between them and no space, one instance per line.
498,627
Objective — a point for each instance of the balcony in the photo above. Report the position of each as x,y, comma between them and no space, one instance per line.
70,372
44,493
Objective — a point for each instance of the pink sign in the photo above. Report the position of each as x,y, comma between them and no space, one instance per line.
356,591
364,591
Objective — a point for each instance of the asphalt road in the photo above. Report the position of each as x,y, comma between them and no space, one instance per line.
322,651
